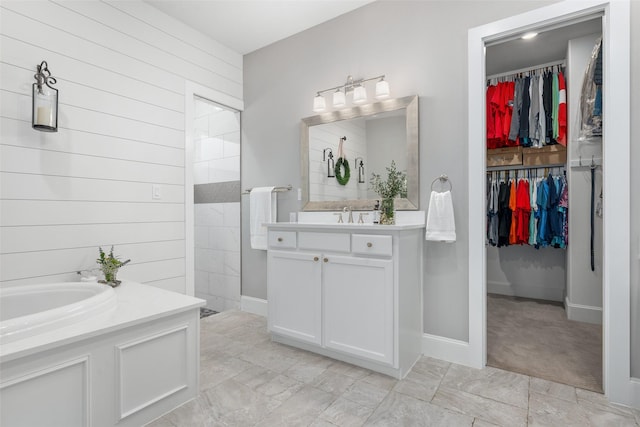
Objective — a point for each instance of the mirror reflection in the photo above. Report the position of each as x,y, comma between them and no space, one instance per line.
369,137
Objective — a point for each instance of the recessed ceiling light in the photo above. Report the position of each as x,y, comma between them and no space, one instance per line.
528,36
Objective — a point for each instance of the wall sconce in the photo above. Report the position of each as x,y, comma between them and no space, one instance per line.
360,170
359,93
331,167
44,114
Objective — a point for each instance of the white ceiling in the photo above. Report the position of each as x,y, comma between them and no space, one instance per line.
248,25
548,46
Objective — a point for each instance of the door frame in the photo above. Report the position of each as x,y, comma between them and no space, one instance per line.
191,90
617,382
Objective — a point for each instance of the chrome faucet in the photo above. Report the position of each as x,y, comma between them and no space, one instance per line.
348,209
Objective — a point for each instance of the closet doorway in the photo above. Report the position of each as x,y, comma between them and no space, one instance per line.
617,382
544,298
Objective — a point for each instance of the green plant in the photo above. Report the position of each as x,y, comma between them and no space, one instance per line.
109,264
394,186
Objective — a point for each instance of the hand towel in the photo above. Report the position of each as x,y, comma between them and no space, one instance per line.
262,209
441,225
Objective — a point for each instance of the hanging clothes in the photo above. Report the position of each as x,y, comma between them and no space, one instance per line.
591,96
527,210
528,110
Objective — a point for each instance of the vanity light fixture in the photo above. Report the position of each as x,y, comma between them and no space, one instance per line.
360,169
331,167
529,36
44,111
319,103
359,93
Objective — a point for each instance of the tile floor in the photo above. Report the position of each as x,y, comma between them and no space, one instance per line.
247,380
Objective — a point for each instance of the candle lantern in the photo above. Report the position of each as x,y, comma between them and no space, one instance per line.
45,101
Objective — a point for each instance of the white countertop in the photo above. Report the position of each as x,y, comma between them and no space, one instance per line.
341,227
137,304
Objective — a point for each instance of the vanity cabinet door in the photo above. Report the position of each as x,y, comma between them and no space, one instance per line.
295,295
358,307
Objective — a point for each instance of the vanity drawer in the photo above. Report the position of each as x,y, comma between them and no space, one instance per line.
371,244
282,239
336,242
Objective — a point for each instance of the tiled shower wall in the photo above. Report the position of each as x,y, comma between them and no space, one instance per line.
217,206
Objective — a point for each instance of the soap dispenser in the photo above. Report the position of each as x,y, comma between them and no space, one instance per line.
376,212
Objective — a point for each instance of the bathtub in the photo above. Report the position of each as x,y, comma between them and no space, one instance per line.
109,356
36,309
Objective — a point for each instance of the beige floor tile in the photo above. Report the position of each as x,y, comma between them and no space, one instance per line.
344,412
365,394
433,369
482,423
549,411
402,410
305,372
255,376
301,409
236,404
349,370
280,388
560,391
492,383
480,407
601,413
380,380
269,360
333,382
418,385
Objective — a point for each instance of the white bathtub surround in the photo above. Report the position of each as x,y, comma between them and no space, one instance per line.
217,254
30,310
125,366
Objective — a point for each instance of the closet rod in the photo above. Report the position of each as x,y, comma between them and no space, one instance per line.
561,62
522,167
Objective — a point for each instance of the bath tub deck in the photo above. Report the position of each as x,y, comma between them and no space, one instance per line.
124,366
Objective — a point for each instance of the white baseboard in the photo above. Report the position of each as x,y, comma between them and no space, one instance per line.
536,292
253,305
583,313
448,349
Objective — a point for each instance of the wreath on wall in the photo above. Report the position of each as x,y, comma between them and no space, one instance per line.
342,170
342,164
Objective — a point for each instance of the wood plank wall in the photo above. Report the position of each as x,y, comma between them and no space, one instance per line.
121,68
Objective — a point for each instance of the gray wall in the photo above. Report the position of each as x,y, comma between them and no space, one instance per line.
423,51
635,194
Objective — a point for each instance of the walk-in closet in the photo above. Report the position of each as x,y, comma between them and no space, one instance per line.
544,204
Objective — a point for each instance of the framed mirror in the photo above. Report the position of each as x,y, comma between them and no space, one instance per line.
376,134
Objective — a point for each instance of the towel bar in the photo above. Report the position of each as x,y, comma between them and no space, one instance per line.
276,189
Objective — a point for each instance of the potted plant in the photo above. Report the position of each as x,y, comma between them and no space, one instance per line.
109,265
394,186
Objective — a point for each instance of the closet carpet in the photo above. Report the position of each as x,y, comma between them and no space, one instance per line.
535,338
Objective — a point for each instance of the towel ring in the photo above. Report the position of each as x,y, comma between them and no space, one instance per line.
442,178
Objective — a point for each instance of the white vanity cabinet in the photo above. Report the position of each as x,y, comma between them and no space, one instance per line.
351,292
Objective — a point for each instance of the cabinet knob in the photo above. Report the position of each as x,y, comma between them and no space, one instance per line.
326,260
315,258
369,244
279,239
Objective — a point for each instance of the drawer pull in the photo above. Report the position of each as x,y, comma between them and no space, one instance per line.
326,260
279,239
315,258
369,244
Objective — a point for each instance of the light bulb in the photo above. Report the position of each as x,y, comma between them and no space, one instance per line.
359,95
382,89
339,99
319,103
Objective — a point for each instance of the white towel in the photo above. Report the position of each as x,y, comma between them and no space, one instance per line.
262,209
441,226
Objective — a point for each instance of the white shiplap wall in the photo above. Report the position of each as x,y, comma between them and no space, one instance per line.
121,69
